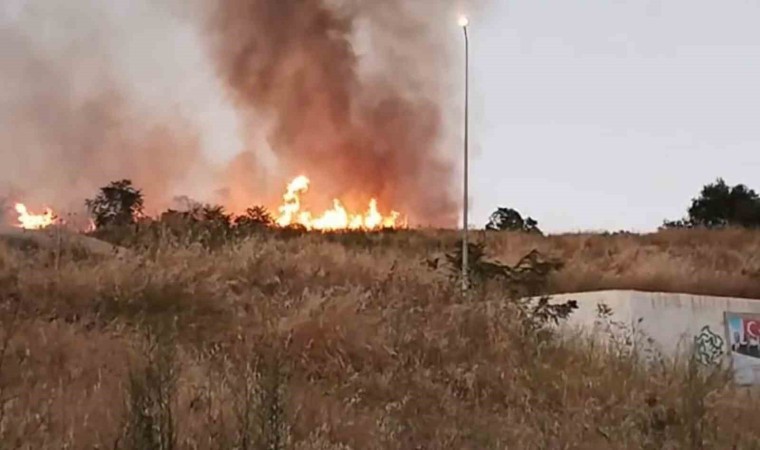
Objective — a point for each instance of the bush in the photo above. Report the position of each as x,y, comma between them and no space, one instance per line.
118,204
720,206
508,219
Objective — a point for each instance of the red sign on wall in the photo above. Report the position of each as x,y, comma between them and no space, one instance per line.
744,345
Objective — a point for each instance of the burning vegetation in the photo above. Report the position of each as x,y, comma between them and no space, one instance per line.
30,221
120,203
337,218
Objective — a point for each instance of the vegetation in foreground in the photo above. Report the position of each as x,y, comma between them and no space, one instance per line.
304,341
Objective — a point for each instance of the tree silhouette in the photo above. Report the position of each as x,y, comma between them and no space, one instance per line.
215,215
119,203
720,205
508,219
257,216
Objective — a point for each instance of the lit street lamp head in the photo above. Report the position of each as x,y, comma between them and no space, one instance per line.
464,21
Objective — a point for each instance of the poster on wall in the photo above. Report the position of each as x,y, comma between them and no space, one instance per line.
744,345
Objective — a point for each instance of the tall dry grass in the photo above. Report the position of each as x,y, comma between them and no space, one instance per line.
704,262
351,341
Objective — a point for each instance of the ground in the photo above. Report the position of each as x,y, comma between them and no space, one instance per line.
311,341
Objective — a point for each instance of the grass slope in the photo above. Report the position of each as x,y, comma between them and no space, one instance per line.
352,341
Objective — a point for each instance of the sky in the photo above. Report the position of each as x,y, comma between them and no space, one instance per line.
586,115
611,115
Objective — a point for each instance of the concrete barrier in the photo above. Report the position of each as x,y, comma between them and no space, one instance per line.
720,330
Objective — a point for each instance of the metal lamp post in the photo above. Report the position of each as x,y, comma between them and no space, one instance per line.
464,23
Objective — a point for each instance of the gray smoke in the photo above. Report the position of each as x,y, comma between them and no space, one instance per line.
355,91
98,91
226,101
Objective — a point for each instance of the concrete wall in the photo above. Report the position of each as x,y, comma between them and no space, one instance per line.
672,323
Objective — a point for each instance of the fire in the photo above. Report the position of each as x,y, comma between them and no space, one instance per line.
31,221
337,218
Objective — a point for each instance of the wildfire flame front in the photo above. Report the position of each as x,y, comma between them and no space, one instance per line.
291,212
337,218
29,221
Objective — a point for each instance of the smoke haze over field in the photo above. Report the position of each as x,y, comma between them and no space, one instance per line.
225,102
94,92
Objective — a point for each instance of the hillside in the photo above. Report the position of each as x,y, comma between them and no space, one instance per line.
722,263
352,341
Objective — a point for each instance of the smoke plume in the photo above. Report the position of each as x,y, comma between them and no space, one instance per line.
227,100
95,92
358,124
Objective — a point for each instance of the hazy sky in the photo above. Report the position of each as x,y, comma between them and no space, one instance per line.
603,114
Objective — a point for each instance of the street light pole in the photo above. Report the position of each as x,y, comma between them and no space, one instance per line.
464,23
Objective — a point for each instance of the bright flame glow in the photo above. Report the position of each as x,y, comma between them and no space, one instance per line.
292,201
337,218
30,221
463,21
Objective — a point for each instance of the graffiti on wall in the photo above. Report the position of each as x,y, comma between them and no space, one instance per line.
744,344
709,347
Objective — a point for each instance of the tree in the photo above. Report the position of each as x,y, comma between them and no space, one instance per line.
719,206
215,215
508,219
117,204
255,217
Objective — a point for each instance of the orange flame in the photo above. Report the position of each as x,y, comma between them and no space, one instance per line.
31,221
337,218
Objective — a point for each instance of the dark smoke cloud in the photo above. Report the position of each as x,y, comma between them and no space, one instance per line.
348,92
358,126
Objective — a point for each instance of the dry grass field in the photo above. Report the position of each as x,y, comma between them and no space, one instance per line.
353,342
